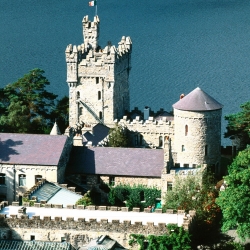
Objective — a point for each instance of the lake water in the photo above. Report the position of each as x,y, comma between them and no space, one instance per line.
177,45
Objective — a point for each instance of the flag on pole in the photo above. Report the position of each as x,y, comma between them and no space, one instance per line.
92,3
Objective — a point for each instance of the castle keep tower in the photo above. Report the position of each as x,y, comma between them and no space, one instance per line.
98,79
197,121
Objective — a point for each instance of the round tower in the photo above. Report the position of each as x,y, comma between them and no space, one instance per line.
197,125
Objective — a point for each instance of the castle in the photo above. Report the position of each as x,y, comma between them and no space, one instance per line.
164,143
98,81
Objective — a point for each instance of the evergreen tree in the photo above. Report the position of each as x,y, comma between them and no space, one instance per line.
26,105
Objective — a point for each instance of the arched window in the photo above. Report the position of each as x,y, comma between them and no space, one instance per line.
160,141
186,130
100,114
22,180
77,95
97,80
99,95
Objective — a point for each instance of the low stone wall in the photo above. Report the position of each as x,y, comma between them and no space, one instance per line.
79,232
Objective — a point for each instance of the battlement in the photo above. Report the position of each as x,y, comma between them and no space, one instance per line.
83,221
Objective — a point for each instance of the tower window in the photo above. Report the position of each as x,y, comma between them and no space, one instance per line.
206,149
186,130
97,80
80,111
77,95
100,115
160,141
99,95
2,179
22,180
182,148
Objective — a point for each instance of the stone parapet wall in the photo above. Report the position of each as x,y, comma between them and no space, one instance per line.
79,232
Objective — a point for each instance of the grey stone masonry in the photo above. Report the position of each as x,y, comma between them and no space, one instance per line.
98,79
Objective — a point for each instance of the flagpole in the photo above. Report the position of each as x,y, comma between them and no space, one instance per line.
96,9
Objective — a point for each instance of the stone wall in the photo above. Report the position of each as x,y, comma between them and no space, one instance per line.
78,232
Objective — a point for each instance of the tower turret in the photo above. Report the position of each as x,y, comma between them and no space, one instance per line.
91,31
98,78
197,123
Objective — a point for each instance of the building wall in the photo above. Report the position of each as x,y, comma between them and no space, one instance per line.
80,232
11,188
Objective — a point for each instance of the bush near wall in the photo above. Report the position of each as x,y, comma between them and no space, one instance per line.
177,238
133,196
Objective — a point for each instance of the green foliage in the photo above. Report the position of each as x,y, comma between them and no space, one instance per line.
118,137
86,200
235,200
196,192
133,196
61,113
176,239
239,125
31,202
26,105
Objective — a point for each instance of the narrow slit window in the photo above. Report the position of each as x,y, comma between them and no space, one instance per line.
186,130
206,149
99,95
160,141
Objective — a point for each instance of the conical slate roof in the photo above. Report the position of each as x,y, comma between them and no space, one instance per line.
55,130
197,100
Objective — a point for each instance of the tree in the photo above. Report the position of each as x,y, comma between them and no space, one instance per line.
235,199
26,105
239,125
118,137
197,192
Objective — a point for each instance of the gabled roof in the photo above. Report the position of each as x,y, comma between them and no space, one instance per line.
197,100
139,162
31,149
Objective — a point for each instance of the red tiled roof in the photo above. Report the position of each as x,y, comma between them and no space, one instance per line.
117,161
31,149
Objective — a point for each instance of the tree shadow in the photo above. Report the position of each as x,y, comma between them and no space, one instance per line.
6,149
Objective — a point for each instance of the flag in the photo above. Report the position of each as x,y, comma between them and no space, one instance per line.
92,3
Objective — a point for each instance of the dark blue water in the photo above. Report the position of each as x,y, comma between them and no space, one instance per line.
177,45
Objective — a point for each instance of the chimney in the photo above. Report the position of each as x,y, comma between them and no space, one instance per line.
182,96
146,113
